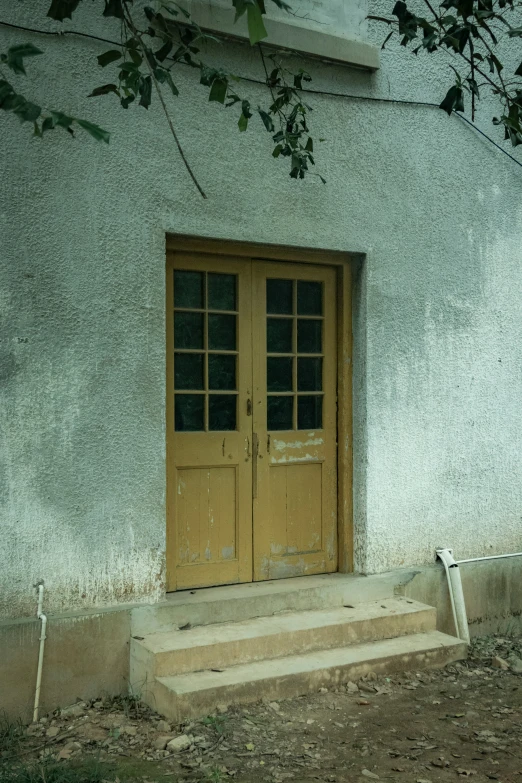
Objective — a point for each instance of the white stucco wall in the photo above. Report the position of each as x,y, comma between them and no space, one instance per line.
438,345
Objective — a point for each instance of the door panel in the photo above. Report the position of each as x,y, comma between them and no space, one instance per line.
209,374
251,420
294,420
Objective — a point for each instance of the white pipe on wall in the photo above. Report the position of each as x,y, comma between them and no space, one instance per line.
42,617
458,605
489,557
441,554
456,593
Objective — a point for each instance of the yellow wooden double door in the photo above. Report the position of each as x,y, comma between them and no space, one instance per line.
251,420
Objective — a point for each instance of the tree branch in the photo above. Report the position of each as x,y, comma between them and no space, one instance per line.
157,87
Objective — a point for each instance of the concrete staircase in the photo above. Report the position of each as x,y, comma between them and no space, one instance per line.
212,648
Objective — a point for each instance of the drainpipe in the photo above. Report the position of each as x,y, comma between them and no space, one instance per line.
458,605
42,617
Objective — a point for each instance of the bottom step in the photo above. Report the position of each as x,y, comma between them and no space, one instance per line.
194,695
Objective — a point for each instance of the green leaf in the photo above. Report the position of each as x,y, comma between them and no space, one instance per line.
267,120
114,8
129,68
218,91
208,75
149,13
12,101
104,90
518,72
174,9
282,5
62,9
163,76
61,119
242,123
256,26
145,90
94,130
24,109
6,90
233,98
27,111
473,86
240,6
109,57
454,100
16,54
309,145
136,57
164,51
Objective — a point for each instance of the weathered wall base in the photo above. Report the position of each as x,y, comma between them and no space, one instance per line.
87,655
492,591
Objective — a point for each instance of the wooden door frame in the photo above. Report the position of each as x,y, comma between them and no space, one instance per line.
345,264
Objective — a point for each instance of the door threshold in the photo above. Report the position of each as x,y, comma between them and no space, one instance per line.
265,587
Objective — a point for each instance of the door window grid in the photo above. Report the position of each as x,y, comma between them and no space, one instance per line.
295,353
205,351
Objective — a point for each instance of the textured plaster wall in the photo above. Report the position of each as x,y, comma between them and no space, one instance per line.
438,349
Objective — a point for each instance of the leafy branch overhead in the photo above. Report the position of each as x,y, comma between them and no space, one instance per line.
474,33
26,110
156,38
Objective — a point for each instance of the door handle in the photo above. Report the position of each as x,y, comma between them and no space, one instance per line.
255,454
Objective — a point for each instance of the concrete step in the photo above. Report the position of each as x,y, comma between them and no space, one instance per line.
233,603
186,696
292,633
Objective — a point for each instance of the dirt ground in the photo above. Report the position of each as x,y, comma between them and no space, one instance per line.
418,727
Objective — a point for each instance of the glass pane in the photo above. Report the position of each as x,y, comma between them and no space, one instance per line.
279,297
280,413
221,292
221,371
188,289
222,411
222,332
309,298
279,374
279,335
188,330
189,412
309,336
188,371
309,413
309,374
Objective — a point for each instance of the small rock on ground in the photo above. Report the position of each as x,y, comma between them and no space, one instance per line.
179,743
